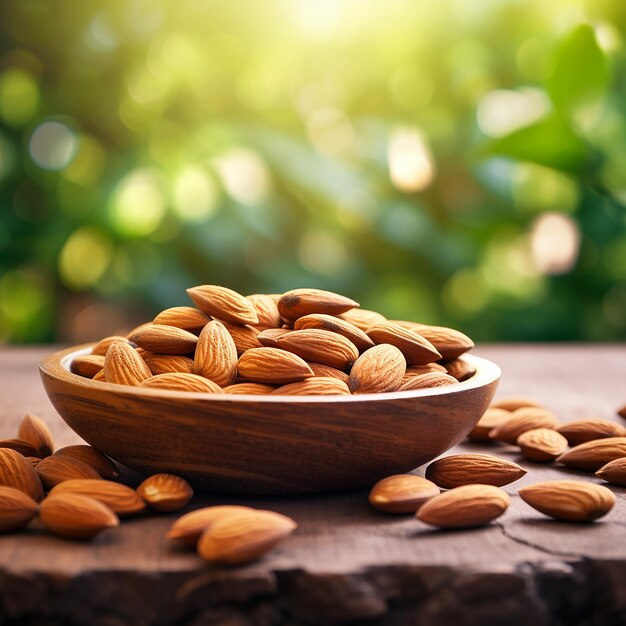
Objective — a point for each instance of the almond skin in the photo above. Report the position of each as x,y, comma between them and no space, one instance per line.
416,349
243,536
335,325
168,363
581,431
542,444
177,381
512,403
592,455
319,369
377,370
103,345
317,386
165,492
216,355
164,339
119,498
465,507
464,469
402,493
269,336
75,517
256,389
300,302
35,431
614,472
123,366
526,418
224,304
186,317
426,381
105,467
449,342
266,310
460,369
489,420
569,500
272,366
57,468
320,346
17,472
16,509
19,445
188,528
362,318
87,365
245,337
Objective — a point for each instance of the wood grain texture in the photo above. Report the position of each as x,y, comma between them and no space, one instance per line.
346,563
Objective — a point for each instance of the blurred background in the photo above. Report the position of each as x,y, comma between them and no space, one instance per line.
459,162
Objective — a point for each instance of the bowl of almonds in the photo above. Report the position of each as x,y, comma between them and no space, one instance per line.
291,393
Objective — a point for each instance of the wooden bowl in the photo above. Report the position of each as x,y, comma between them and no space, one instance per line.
268,444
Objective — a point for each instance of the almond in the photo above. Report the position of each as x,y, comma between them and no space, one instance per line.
177,381
622,411
526,418
100,349
362,318
75,517
335,325
299,302
167,363
87,365
256,389
489,420
243,536
269,336
16,509
415,348
272,366
105,467
592,455
460,369
188,528
134,330
320,346
425,381
119,498
587,430
266,310
33,460
449,342
186,317
99,377
463,469
164,339
569,500
165,492
57,468
123,366
34,430
317,386
224,304
512,403
245,337
377,370
614,472
319,369
216,354
17,472
465,507
427,368
19,445
542,444
402,493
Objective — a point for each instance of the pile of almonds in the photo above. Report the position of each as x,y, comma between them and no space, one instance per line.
303,342
473,481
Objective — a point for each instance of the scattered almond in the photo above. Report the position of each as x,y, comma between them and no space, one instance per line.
35,431
188,528
87,365
377,370
426,381
105,467
123,366
317,386
178,381
168,363
17,472
581,431
216,354
320,346
224,304
614,472
416,349
402,493
119,498
57,468
523,419
512,403
463,469
489,420
16,509
300,302
256,389
164,339
272,366
165,492
186,317
542,444
592,455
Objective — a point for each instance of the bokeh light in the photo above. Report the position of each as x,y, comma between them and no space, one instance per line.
411,165
53,145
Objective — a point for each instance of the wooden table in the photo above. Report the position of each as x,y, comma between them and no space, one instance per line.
346,563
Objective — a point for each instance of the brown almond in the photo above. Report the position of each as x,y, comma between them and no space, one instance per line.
464,469
119,498
266,310
19,445
188,528
17,472
449,342
569,500
362,318
272,366
402,493
123,366
243,536
377,370
319,369
467,506
427,368
622,412
336,325
489,420
168,363
320,346
165,492
299,302
16,509
526,418
178,381
87,365
105,467
512,403
256,389
579,431
542,444
57,468
186,317
269,337
245,337
75,517
426,381
99,377
614,472
216,355
34,430
224,304
33,460
100,349
316,386
592,455
460,368
415,348
164,339
134,330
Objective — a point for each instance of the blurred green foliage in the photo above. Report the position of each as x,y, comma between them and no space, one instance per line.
456,162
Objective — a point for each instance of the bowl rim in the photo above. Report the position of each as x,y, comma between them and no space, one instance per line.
56,366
